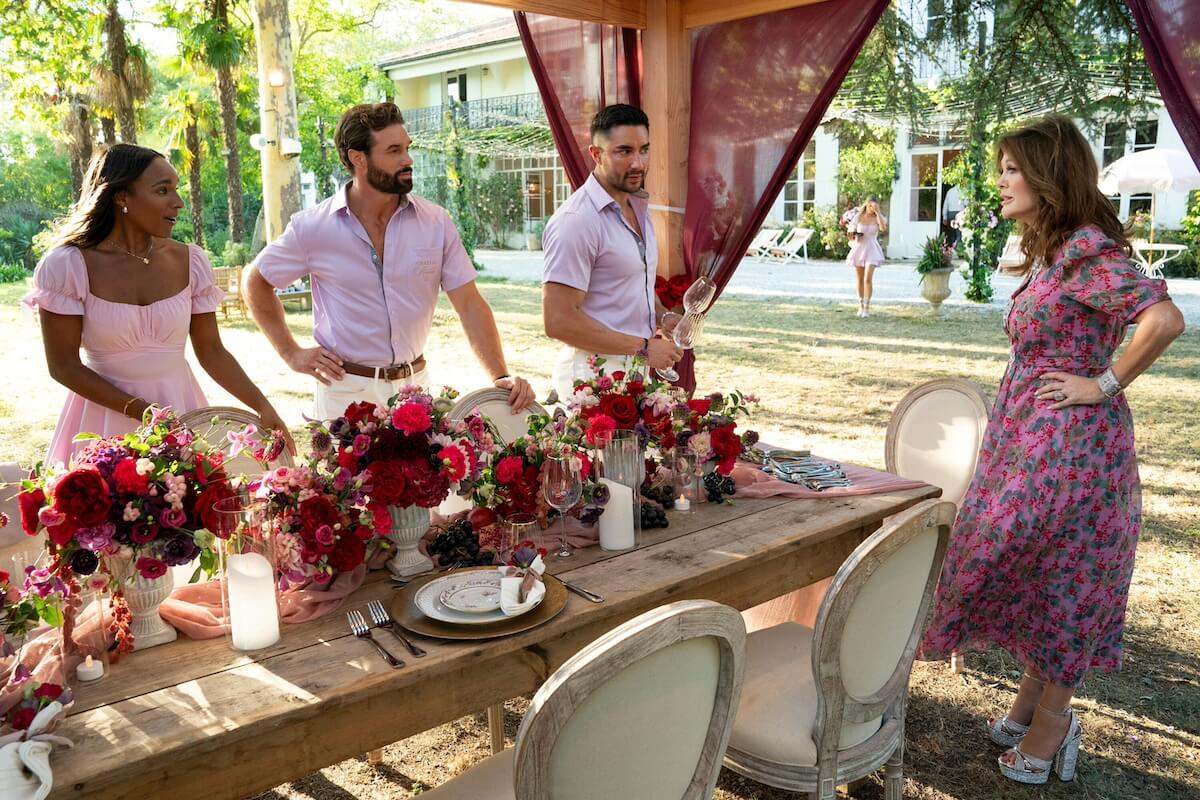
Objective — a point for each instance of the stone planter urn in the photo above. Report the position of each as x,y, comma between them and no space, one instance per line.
935,287
409,524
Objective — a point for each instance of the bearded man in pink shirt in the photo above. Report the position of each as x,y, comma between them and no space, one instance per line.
377,258
601,259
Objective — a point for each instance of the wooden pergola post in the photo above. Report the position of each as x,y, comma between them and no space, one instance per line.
666,89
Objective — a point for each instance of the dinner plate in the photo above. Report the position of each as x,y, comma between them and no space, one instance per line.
406,612
429,598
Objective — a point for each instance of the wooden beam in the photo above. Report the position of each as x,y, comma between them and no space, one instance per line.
666,89
626,13
697,13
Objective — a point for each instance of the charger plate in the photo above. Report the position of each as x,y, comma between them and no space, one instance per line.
405,612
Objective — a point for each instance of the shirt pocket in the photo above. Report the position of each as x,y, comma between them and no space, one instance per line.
427,260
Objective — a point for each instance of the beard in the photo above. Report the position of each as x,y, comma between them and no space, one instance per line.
388,182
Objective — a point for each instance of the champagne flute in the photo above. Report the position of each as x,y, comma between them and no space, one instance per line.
684,335
562,488
699,295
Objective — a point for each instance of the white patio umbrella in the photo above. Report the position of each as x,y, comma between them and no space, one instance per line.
1159,169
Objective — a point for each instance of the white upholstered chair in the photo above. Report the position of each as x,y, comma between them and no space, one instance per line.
642,713
213,424
825,706
935,433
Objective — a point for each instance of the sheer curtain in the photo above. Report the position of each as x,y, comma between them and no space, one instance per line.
1170,33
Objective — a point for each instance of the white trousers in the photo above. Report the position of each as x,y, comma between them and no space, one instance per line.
331,401
572,365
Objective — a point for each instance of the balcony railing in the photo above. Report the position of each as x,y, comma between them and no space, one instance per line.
491,112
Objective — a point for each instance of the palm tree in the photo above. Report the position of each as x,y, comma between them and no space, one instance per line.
186,110
223,52
123,79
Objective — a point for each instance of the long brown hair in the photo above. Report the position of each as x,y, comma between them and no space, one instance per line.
111,170
1059,167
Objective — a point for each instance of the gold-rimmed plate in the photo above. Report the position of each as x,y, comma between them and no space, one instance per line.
405,611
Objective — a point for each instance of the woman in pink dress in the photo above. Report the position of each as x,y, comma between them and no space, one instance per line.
1042,553
866,254
116,285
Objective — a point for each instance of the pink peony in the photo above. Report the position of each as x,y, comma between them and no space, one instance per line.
509,469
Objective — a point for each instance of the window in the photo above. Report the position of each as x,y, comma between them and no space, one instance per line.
924,201
1119,140
800,192
543,183
935,16
1114,143
456,86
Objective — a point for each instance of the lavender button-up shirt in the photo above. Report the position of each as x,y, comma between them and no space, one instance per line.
590,247
371,313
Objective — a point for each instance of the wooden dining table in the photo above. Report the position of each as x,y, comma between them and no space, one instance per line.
195,719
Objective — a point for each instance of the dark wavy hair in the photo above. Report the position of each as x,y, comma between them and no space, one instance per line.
354,131
1059,167
111,170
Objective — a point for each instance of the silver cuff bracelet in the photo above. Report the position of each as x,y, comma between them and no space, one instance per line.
1109,383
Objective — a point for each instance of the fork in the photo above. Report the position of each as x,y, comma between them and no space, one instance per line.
358,626
382,619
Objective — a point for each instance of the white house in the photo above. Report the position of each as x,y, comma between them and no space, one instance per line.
485,69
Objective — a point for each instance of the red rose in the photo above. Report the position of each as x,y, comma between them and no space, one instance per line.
389,486
30,502
21,718
725,443
509,469
381,518
636,388
700,407
205,510
599,427
4,576
363,532
619,375
317,511
62,534
427,487
49,691
128,479
347,459
358,412
209,468
347,554
622,408
82,495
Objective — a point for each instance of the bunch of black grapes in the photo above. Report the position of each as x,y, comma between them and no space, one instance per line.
718,487
661,494
459,544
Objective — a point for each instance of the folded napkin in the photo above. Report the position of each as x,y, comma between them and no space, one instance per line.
25,757
521,589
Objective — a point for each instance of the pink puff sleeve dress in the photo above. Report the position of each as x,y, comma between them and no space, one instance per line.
139,349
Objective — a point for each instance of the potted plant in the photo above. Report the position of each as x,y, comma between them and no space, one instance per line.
533,239
934,268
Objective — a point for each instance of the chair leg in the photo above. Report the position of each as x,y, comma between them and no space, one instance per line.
893,780
956,663
375,757
495,716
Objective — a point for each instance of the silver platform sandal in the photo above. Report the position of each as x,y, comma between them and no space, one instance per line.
1032,770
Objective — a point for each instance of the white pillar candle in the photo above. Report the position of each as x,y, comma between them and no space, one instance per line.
616,523
253,613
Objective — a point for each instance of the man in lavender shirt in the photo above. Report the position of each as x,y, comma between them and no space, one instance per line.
377,258
601,258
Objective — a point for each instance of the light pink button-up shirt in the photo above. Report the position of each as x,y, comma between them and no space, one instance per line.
375,315
590,247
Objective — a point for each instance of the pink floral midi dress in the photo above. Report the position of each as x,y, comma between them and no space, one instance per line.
1042,552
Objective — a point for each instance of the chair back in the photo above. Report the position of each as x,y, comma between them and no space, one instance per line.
935,433
493,404
764,238
642,713
14,543
212,424
870,622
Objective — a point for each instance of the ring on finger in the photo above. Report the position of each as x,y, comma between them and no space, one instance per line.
1060,396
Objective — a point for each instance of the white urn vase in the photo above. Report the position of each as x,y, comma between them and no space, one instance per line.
409,524
144,596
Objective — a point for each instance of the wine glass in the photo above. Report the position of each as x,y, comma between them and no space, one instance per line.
562,488
699,295
684,335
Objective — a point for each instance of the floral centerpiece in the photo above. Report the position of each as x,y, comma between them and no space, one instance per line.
409,455
129,508
706,427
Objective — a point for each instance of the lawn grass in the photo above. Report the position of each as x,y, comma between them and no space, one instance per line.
829,381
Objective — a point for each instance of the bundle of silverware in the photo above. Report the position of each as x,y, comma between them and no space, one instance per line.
799,467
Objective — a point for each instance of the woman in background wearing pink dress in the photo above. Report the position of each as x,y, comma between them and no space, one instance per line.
865,253
116,285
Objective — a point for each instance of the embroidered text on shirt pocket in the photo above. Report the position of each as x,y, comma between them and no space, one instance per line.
428,260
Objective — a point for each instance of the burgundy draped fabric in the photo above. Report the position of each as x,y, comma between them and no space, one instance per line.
580,67
1170,33
760,86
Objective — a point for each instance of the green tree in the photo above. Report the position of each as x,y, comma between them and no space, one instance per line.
187,111
867,171
122,77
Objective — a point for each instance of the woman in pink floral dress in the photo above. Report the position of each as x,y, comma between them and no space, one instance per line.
1042,553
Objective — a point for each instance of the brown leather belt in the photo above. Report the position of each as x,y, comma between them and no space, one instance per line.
393,373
